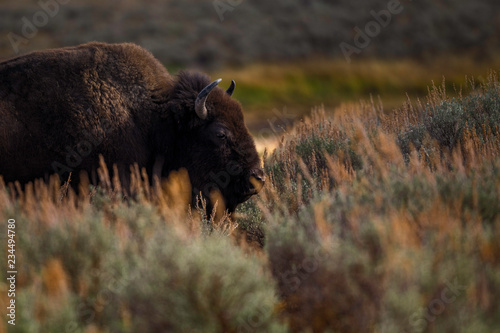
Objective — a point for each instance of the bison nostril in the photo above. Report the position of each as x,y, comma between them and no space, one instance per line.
259,177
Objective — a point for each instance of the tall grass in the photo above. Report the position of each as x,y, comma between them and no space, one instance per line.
369,222
96,263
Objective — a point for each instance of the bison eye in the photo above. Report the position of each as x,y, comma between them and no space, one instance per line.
221,136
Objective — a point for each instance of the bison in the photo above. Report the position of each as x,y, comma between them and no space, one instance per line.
61,109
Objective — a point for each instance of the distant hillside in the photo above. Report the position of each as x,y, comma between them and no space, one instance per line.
210,34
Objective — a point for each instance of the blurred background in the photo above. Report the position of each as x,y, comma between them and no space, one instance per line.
286,56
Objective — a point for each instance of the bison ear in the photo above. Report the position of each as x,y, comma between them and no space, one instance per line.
199,105
230,90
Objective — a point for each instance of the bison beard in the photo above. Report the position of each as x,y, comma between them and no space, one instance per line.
61,109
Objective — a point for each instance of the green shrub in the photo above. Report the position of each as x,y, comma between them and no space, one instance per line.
446,121
205,286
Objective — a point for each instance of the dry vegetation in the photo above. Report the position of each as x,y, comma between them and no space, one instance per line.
370,222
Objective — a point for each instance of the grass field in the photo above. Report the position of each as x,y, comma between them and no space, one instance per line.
300,86
372,220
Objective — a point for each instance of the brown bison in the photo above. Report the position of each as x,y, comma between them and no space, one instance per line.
60,109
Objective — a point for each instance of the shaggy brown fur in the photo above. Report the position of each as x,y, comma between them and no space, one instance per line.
60,109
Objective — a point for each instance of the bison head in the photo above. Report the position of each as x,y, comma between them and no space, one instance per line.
213,143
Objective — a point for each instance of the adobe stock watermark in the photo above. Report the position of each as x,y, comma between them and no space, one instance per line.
421,318
112,286
372,29
291,279
75,155
223,6
29,29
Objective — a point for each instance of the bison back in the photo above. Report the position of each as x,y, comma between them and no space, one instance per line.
60,109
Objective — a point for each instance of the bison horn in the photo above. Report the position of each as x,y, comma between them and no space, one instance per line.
199,105
230,90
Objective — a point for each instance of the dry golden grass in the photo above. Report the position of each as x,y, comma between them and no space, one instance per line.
359,229
344,181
